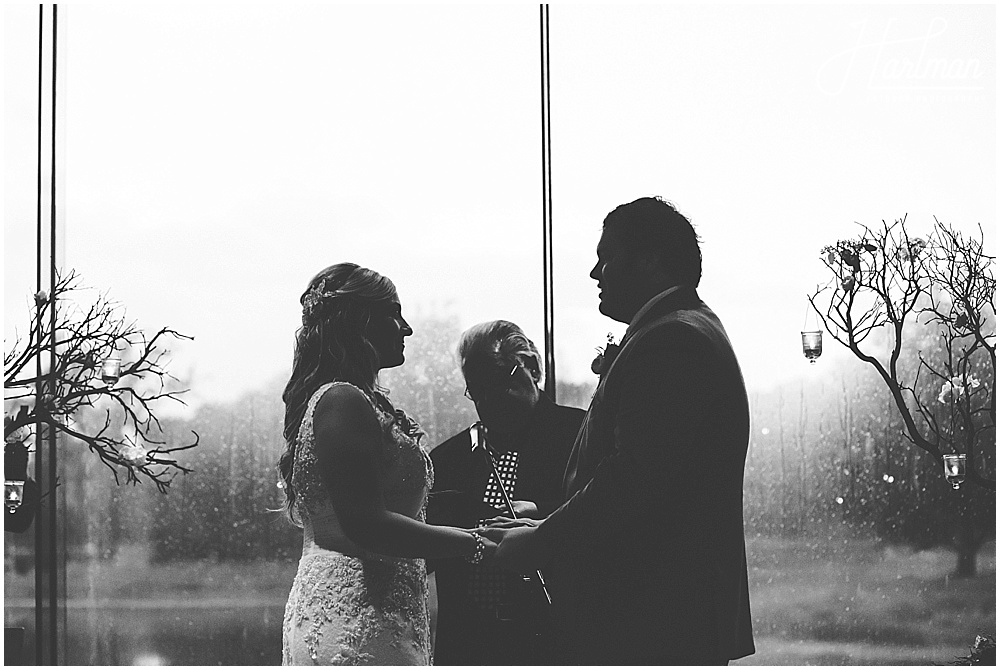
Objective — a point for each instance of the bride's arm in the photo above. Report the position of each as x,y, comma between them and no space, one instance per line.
347,436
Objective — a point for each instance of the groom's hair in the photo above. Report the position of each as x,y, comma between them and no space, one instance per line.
654,226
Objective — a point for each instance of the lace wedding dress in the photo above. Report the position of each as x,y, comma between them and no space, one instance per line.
349,606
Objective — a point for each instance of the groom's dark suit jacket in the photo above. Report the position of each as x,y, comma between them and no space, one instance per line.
651,563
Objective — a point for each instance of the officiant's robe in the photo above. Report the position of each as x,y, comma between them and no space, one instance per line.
651,560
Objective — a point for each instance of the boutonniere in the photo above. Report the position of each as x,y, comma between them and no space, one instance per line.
605,357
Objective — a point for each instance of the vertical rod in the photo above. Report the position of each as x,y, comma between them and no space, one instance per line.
46,470
547,274
53,452
39,471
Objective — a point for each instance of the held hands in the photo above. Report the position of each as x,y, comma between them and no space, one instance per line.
489,535
522,509
505,522
516,549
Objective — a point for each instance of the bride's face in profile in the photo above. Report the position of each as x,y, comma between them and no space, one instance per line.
387,331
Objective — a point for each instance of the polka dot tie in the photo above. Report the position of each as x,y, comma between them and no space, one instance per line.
489,586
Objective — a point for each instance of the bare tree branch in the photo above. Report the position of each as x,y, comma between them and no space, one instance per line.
934,296
84,337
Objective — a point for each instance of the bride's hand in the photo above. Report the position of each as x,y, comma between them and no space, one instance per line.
507,522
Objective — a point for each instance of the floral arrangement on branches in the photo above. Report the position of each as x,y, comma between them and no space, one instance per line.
903,287
84,337
982,652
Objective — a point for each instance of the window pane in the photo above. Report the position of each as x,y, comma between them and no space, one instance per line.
218,157
775,129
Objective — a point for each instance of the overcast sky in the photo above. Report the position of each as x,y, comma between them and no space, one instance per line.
216,156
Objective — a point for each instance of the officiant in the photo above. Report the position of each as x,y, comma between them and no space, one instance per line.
486,615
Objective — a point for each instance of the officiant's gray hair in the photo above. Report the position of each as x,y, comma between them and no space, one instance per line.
502,342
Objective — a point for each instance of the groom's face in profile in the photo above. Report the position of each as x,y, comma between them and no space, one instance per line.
622,278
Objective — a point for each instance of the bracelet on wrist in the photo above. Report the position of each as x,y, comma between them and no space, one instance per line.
476,557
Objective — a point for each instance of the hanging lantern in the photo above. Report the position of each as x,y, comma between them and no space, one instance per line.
15,471
812,335
13,494
954,469
111,370
812,344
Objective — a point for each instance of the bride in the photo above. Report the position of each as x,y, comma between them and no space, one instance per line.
356,479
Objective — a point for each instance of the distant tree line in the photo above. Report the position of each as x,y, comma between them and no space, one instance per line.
222,510
826,455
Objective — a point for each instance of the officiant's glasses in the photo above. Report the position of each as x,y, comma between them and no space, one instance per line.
502,386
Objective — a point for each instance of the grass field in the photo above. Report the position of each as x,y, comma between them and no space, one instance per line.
863,603
829,602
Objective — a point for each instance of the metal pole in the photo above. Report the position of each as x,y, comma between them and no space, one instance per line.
547,276
46,463
52,435
39,466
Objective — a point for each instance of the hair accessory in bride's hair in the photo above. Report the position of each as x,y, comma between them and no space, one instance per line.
311,300
314,300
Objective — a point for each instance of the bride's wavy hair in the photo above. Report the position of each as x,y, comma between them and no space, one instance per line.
331,345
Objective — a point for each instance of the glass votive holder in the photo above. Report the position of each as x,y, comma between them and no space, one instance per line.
812,344
954,469
13,494
111,370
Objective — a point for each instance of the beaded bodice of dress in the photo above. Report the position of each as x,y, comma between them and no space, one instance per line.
406,476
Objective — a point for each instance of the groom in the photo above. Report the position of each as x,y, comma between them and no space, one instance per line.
646,558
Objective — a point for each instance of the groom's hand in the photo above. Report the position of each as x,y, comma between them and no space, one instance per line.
517,549
525,508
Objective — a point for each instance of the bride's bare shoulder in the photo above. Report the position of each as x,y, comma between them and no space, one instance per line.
341,405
